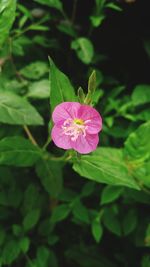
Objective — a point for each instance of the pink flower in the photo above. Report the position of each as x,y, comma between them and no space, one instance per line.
76,127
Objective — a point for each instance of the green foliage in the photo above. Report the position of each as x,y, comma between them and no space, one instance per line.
16,110
84,49
50,174
105,165
110,193
59,83
17,151
7,13
60,208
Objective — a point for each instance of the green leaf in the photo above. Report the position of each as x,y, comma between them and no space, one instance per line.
10,252
42,256
97,230
24,244
105,165
110,193
141,94
7,14
60,213
97,20
35,70
51,3
113,6
31,219
129,222
39,90
80,212
17,110
111,221
88,189
32,197
18,151
16,229
61,89
66,27
84,49
137,145
50,174
92,82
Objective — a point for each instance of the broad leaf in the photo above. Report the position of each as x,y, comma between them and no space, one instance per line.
61,89
7,17
17,110
50,174
105,165
18,151
84,49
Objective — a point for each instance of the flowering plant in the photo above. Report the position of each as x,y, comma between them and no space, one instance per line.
76,126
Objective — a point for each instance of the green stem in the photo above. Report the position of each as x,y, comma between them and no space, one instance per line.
47,142
30,136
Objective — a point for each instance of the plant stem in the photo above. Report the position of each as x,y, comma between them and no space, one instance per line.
74,11
30,136
47,142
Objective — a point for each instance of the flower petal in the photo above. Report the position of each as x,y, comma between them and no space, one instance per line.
85,145
60,139
93,118
64,111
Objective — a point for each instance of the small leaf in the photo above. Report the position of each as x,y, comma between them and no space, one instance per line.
111,222
39,90
80,212
84,49
92,82
130,222
60,213
97,230
35,70
97,20
17,110
31,219
88,189
81,95
51,3
110,193
18,151
24,244
113,6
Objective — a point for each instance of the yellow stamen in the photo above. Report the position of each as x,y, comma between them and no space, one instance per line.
79,121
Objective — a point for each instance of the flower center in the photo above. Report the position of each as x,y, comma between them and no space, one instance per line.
74,128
